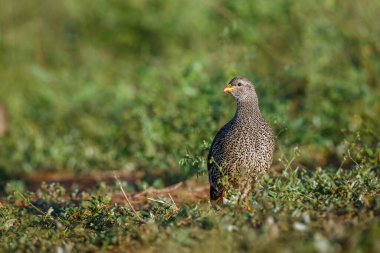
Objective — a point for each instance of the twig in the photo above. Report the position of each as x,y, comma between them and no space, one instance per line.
126,197
168,189
159,201
27,201
172,200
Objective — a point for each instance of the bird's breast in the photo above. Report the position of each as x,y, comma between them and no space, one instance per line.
236,148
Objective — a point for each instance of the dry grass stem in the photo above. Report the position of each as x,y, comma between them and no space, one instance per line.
126,197
152,190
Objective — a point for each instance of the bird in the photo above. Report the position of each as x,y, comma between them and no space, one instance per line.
243,148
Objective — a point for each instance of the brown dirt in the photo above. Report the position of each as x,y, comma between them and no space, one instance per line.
188,191
193,190
83,180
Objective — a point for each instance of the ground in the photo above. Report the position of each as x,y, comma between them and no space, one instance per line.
292,210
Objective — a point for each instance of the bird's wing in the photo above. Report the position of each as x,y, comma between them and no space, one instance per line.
216,143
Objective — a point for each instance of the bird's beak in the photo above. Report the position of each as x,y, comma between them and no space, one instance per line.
228,88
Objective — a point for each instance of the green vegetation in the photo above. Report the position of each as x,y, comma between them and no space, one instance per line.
294,211
136,86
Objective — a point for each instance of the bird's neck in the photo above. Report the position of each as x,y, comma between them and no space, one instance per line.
247,110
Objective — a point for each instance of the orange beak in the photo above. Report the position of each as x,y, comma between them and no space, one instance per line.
228,89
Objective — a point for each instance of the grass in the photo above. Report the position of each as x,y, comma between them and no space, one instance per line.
134,87
292,210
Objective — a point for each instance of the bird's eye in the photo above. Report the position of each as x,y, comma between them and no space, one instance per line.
239,84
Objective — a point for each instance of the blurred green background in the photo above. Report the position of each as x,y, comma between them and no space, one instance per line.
137,84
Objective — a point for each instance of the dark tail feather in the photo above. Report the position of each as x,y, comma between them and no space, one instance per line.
214,193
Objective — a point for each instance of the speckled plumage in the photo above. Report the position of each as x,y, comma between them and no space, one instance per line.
243,148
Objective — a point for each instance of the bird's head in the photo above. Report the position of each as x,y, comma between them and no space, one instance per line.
241,88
